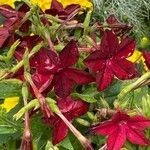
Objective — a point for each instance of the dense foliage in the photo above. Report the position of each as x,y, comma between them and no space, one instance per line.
71,78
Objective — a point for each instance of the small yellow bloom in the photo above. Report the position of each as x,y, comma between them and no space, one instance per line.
136,57
10,103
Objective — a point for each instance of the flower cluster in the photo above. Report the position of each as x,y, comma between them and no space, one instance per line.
58,55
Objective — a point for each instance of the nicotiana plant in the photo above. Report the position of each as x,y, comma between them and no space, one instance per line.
68,82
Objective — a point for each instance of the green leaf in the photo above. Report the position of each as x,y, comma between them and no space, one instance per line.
10,88
4,138
87,97
40,132
6,129
75,143
66,143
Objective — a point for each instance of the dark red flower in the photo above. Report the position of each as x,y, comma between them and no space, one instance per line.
120,29
146,56
58,9
12,22
66,75
41,79
122,127
110,60
48,67
71,109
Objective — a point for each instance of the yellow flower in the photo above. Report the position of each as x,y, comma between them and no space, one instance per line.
10,103
137,57
45,4
83,3
9,2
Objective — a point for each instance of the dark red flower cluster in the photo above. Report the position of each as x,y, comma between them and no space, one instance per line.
122,127
52,70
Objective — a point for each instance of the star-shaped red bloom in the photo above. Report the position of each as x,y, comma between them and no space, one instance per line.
58,9
71,109
65,76
122,127
53,70
146,56
110,60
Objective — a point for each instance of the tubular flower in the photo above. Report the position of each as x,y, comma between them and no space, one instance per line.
10,103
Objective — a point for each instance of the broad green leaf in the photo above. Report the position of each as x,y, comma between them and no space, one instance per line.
86,97
40,132
6,129
66,144
10,88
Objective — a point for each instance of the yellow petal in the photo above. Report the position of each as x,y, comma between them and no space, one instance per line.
136,57
10,103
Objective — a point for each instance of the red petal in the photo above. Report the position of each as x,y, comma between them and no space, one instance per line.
136,137
69,55
112,20
60,129
104,77
96,61
79,76
72,108
126,48
60,132
56,5
124,69
109,43
105,128
4,34
71,8
63,85
24,8
117,139
7,11
139,122
146,56
120,116
42,79
45,61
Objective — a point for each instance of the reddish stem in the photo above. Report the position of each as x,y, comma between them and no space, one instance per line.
84,141
44,106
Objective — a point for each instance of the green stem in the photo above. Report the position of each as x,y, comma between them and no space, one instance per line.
137,84
20,64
